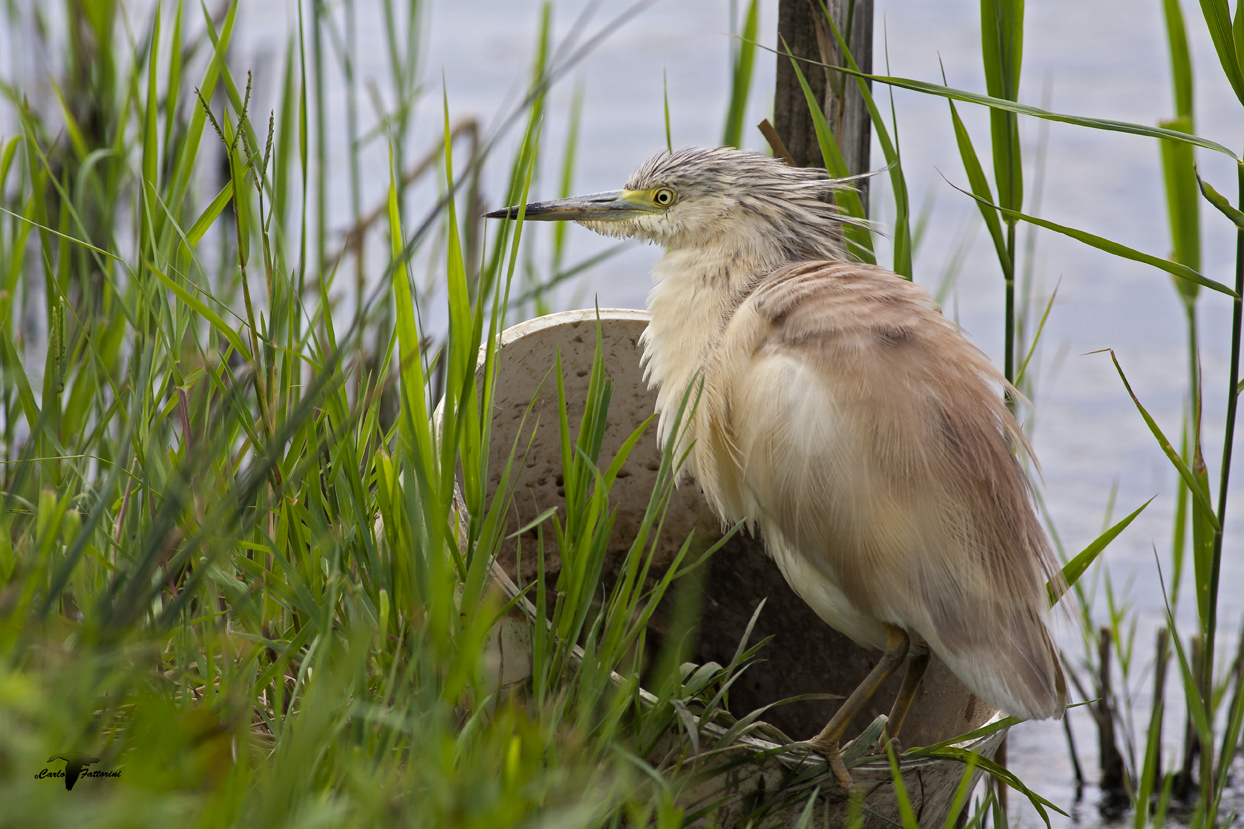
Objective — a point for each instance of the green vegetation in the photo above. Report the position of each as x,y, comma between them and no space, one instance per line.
230,550
245,541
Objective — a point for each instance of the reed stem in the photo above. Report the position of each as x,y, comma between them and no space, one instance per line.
1228,442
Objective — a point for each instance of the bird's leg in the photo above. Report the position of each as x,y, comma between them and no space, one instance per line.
917,663
826,743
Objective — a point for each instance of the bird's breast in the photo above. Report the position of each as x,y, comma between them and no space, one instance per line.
690,305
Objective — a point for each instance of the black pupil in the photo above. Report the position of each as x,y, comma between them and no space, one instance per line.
663,197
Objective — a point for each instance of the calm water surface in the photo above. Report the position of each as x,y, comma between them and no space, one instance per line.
1107,59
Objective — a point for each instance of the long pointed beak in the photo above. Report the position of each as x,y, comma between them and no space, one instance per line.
612,206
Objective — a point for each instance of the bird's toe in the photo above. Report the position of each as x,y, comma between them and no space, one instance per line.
842,785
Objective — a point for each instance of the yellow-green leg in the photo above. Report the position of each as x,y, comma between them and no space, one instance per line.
826,743
917,664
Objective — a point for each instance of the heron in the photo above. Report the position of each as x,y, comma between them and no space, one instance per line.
845,417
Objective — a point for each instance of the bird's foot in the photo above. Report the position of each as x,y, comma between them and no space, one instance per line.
843,783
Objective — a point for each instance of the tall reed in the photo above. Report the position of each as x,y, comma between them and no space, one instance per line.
240,558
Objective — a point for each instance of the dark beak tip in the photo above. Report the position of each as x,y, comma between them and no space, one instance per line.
503,213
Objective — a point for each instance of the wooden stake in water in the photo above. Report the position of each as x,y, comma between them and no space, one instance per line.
802,26
1113,783
1162,651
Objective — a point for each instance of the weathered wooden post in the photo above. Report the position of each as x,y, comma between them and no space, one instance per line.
802,28
1114,785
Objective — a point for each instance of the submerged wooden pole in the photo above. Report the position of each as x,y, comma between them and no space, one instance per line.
802,27
1163,651
1113,784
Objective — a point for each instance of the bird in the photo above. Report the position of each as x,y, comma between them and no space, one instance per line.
840,413
75,762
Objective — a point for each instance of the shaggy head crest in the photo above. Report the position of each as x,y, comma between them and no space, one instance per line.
723,193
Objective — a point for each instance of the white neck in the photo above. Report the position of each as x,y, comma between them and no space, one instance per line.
694,295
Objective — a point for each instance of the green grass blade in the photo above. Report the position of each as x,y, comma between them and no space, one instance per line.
1200,496
151,135
184,164
1123,251
969,737
414,424
1181,61
805,816
569,155
890,150
665,92
836,166
741,78
65,236
209,215
1183,206
1218,19
1001,774
1230,740
980,188
1002,23
173,81
1075,568
1195,704
1032,349
76,139
961,794
202,310
905,810
1106,124
1219,201
1205,527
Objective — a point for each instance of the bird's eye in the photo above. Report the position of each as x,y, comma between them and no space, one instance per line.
663,197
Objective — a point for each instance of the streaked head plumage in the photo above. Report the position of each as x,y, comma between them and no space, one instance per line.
721,192
697,196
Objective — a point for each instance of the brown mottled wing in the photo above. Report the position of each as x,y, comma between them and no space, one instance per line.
857,426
